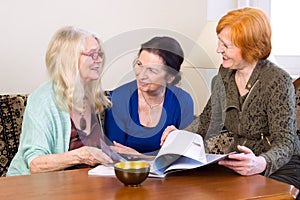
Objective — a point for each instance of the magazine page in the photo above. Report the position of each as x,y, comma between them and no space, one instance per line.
212,158
102,170
181,150
184,163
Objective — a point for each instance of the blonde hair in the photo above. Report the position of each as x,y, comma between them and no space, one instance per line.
62,59
250,31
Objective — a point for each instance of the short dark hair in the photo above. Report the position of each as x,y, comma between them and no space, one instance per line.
170,51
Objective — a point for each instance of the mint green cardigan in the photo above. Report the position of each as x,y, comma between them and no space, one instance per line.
46,129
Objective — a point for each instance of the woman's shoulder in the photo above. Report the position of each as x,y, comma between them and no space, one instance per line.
42,96
125,90
178,92
271,73
125,87
268,67
45,89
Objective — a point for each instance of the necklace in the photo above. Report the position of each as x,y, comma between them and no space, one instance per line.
149,118
155,105
82,122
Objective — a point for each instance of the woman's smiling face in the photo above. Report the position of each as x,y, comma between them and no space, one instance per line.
231,54
90,60
150,71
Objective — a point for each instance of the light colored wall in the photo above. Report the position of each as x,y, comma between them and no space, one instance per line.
27,26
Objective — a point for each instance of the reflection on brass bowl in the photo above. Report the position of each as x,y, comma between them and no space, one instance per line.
132,173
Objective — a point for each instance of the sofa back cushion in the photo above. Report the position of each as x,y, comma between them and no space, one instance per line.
11,115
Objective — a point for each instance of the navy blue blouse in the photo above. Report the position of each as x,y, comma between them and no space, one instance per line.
122,123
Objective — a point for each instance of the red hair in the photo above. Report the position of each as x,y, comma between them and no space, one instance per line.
250,31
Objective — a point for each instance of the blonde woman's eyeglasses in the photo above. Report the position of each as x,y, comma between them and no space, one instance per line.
94,55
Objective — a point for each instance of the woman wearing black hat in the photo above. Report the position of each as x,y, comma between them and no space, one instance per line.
143,108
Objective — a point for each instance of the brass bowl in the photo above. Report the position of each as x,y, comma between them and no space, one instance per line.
132,173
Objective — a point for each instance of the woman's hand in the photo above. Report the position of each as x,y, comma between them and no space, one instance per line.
84,155
245,162
93,156
119,148
165,134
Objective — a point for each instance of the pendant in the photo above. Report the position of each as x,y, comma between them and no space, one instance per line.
82,123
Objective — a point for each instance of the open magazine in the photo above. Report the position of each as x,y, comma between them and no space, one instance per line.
182,150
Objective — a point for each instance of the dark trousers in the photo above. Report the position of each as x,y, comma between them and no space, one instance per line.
289,173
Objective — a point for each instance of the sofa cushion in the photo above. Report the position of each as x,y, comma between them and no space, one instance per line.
11,111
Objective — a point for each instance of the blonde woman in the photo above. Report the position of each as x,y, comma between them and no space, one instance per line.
61,125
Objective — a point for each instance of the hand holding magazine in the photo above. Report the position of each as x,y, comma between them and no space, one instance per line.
182,150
